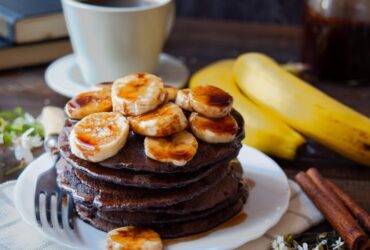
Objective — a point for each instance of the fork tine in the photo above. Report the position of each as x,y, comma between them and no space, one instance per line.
37,208
59,208
48,207
70,211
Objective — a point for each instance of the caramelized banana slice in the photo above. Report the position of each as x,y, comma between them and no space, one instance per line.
133,238
164,121
137,94
177,149
89,102
99,136
171,93
214,130
210,101
183,99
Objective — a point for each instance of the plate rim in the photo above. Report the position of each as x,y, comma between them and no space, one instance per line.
235,244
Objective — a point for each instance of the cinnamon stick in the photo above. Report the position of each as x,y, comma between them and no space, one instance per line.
337,215
340,197
361,215
319,181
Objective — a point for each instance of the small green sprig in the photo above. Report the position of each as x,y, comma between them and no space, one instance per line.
14,123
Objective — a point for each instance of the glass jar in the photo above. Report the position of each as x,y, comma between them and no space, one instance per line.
336,39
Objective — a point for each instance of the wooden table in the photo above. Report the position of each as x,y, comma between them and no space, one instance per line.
200,42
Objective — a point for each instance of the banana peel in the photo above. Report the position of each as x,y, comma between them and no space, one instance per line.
263,131
303,107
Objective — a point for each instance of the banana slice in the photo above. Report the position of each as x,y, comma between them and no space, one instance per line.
133,238
99,136
164,121
178,148
137,94
89,102
183,99
214,130
210,101
171,93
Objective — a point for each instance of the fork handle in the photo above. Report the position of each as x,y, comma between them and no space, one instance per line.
52,118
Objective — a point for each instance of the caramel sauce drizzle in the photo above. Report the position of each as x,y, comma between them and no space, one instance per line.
236,220
211,95
95,131
164,110
133,89
225,124
180,152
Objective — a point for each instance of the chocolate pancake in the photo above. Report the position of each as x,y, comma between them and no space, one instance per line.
144,218
68,182
109,196
208,200
132,155
130,177
171,230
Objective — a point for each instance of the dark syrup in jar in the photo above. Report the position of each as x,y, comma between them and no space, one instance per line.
337,49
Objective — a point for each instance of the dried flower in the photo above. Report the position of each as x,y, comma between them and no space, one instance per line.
303,247
279,243
338,244
309,241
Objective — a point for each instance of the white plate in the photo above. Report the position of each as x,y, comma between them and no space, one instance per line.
64,76
266,204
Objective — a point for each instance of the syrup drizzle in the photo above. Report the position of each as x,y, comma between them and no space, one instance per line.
236,220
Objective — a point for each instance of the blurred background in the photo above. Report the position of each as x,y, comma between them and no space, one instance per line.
266,11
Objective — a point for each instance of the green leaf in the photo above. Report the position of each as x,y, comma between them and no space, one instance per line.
7,115
17,125
19,112
8,137
38,129
3,124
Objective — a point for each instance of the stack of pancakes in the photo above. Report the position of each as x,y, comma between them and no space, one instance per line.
131,189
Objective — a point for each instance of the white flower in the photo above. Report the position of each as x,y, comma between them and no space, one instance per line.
279,243
318,246
323,242
28,118
303,247
24,144
30,141
338,244
22,153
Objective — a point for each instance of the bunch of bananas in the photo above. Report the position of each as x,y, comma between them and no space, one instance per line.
277,106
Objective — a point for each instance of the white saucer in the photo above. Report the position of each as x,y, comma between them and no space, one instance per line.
64,76
267,202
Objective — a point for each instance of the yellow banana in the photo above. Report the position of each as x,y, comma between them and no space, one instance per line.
263,131
304,107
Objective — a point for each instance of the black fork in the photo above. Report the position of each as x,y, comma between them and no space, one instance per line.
46,185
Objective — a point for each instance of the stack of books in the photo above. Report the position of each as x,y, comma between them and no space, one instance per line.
31,32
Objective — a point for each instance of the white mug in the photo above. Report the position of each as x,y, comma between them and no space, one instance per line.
110,42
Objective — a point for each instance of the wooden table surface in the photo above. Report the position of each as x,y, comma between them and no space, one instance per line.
200,42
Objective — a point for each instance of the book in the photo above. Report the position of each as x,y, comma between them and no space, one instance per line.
12,56
24,21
